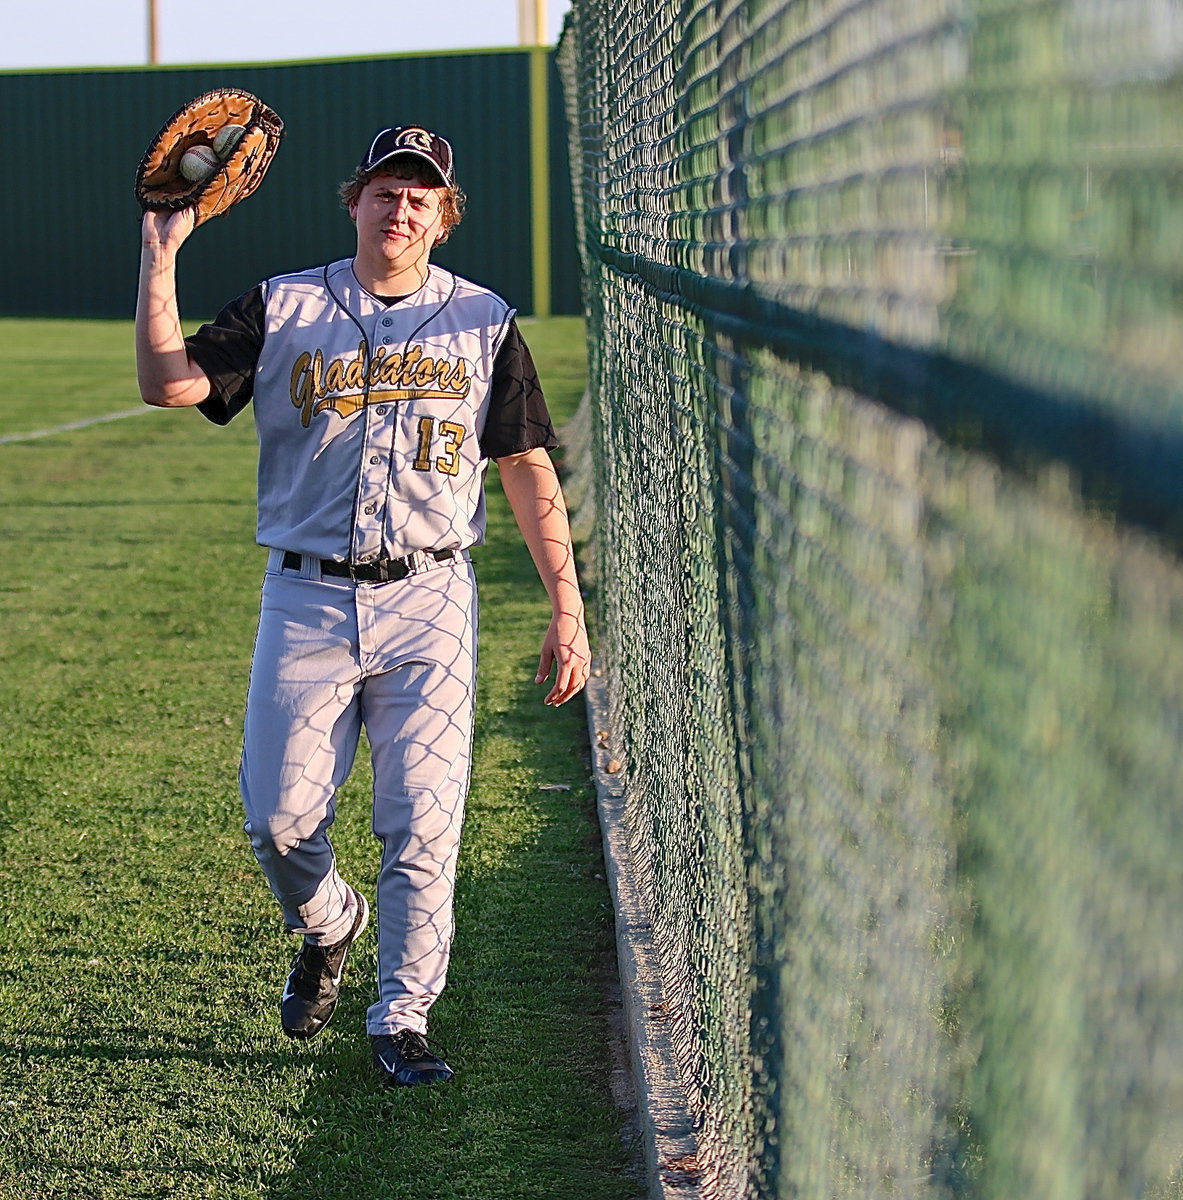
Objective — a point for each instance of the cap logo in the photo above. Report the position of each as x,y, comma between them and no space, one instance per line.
420,139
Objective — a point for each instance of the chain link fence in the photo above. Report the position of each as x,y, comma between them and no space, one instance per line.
885,304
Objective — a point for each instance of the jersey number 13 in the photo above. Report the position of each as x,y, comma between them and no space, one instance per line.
450,438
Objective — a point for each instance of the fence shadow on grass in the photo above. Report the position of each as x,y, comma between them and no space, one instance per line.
524,1022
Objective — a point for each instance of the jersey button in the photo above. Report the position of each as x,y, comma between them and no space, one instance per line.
386,341
374,460
369,510
380,411
387,321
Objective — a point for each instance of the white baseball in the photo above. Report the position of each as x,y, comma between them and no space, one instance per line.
227,138
198,163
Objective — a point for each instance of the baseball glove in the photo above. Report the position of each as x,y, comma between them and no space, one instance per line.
235,132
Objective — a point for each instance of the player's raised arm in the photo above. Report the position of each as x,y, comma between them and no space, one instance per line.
534,494
168,378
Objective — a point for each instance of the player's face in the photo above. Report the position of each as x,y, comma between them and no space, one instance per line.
398,219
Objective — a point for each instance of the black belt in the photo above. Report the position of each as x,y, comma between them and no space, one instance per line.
381,570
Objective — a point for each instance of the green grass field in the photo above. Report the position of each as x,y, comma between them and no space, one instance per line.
142,954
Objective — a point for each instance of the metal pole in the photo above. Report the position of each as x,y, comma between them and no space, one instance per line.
531,22
540,233
153,48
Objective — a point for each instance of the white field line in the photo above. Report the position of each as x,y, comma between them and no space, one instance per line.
40,433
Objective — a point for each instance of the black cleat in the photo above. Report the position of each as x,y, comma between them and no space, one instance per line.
405,1061
315,980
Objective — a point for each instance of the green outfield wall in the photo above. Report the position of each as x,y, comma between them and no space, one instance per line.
74,139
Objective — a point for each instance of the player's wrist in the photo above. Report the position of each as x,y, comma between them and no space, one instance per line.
158,256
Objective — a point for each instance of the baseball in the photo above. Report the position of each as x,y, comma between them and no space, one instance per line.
198,163
227,138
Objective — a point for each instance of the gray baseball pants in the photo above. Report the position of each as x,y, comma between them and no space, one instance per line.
399,659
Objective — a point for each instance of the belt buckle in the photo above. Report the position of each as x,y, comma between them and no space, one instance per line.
363,572
381,570
391,570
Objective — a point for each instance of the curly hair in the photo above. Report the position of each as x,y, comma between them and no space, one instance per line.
408,166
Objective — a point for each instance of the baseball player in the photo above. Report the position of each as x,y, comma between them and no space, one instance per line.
381,385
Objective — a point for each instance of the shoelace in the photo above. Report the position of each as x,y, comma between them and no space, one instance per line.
314,967
414,1047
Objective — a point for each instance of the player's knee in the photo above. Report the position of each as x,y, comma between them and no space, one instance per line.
419,824
272,838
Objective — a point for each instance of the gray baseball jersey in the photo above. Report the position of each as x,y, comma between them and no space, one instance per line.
373,418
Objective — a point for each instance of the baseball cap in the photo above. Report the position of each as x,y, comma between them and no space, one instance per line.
413,140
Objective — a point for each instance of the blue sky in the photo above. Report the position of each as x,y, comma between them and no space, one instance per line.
93,33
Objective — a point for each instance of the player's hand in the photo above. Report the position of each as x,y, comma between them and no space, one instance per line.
166,230
565,648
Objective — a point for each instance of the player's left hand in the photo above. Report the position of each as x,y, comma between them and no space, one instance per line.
565,648
166,230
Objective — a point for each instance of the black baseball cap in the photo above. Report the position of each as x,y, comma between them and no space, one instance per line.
415,141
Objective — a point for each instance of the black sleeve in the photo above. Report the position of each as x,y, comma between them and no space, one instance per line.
518,419
227,350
